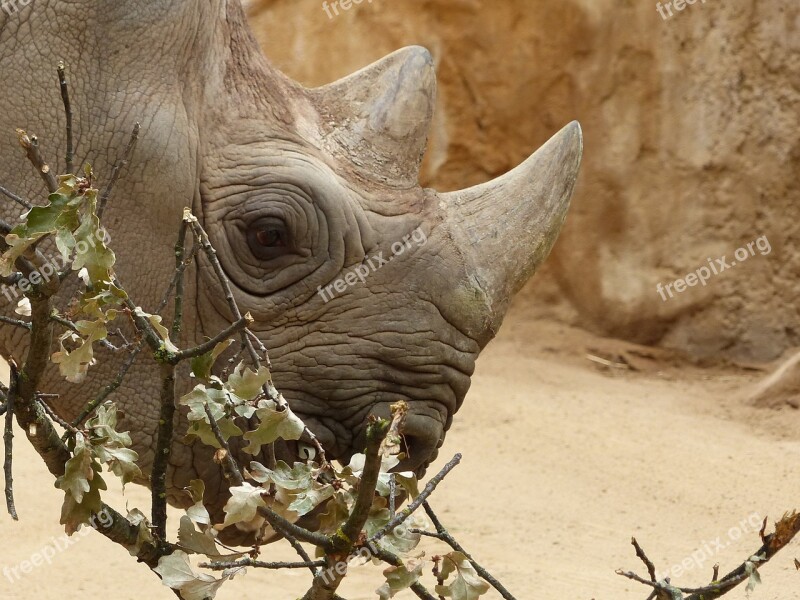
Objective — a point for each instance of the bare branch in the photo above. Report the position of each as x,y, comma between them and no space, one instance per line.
8,444
209,345
31,146
180,266
249,562
109,389
18,199
785,531
15,322
651,568
158,477
229,466
62,81
115,171
74,328
445,536
287,528
418,501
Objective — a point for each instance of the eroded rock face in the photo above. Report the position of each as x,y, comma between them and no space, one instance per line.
691,143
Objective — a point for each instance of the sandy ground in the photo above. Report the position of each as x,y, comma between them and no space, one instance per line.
564,460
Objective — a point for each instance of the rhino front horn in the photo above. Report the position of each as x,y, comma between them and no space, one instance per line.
510,224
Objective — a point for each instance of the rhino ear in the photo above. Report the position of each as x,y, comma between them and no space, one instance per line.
379,117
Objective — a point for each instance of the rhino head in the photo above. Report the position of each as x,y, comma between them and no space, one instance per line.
365,287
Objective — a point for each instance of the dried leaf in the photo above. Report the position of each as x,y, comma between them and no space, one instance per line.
465,584
78,470
196,541
111,446
785,530
155,322
273,425
400,578
243,504
399,541
203,364
23,307
74,513
246,384
198,512
60,214
352,473
176,572
138,519
751,569
75,365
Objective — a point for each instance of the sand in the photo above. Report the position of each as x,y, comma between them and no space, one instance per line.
564,460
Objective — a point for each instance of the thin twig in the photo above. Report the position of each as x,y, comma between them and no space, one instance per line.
287,528
445,536
18,199
301,552
114,385
392,491
773,543
180,266
31,146
158,477
15,322
115,171
229,466
211,255
418,501
53,416
109,389
142,324
249,562
651,568
209,345
74,328
8,444
62,81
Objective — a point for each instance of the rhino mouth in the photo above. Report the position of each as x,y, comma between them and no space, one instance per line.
423,435
422,438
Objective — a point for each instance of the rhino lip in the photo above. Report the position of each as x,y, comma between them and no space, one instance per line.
422,436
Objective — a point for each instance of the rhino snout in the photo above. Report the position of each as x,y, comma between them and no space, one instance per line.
423,435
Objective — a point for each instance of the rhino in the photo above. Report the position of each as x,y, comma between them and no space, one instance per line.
366,288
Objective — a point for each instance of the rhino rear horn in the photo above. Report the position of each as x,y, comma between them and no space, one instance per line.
379,117
511,223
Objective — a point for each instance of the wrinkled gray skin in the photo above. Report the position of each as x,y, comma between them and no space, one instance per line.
332,171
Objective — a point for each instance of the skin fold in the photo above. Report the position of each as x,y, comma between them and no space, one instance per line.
365,288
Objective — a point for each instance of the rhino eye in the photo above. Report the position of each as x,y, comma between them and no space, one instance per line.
268,238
